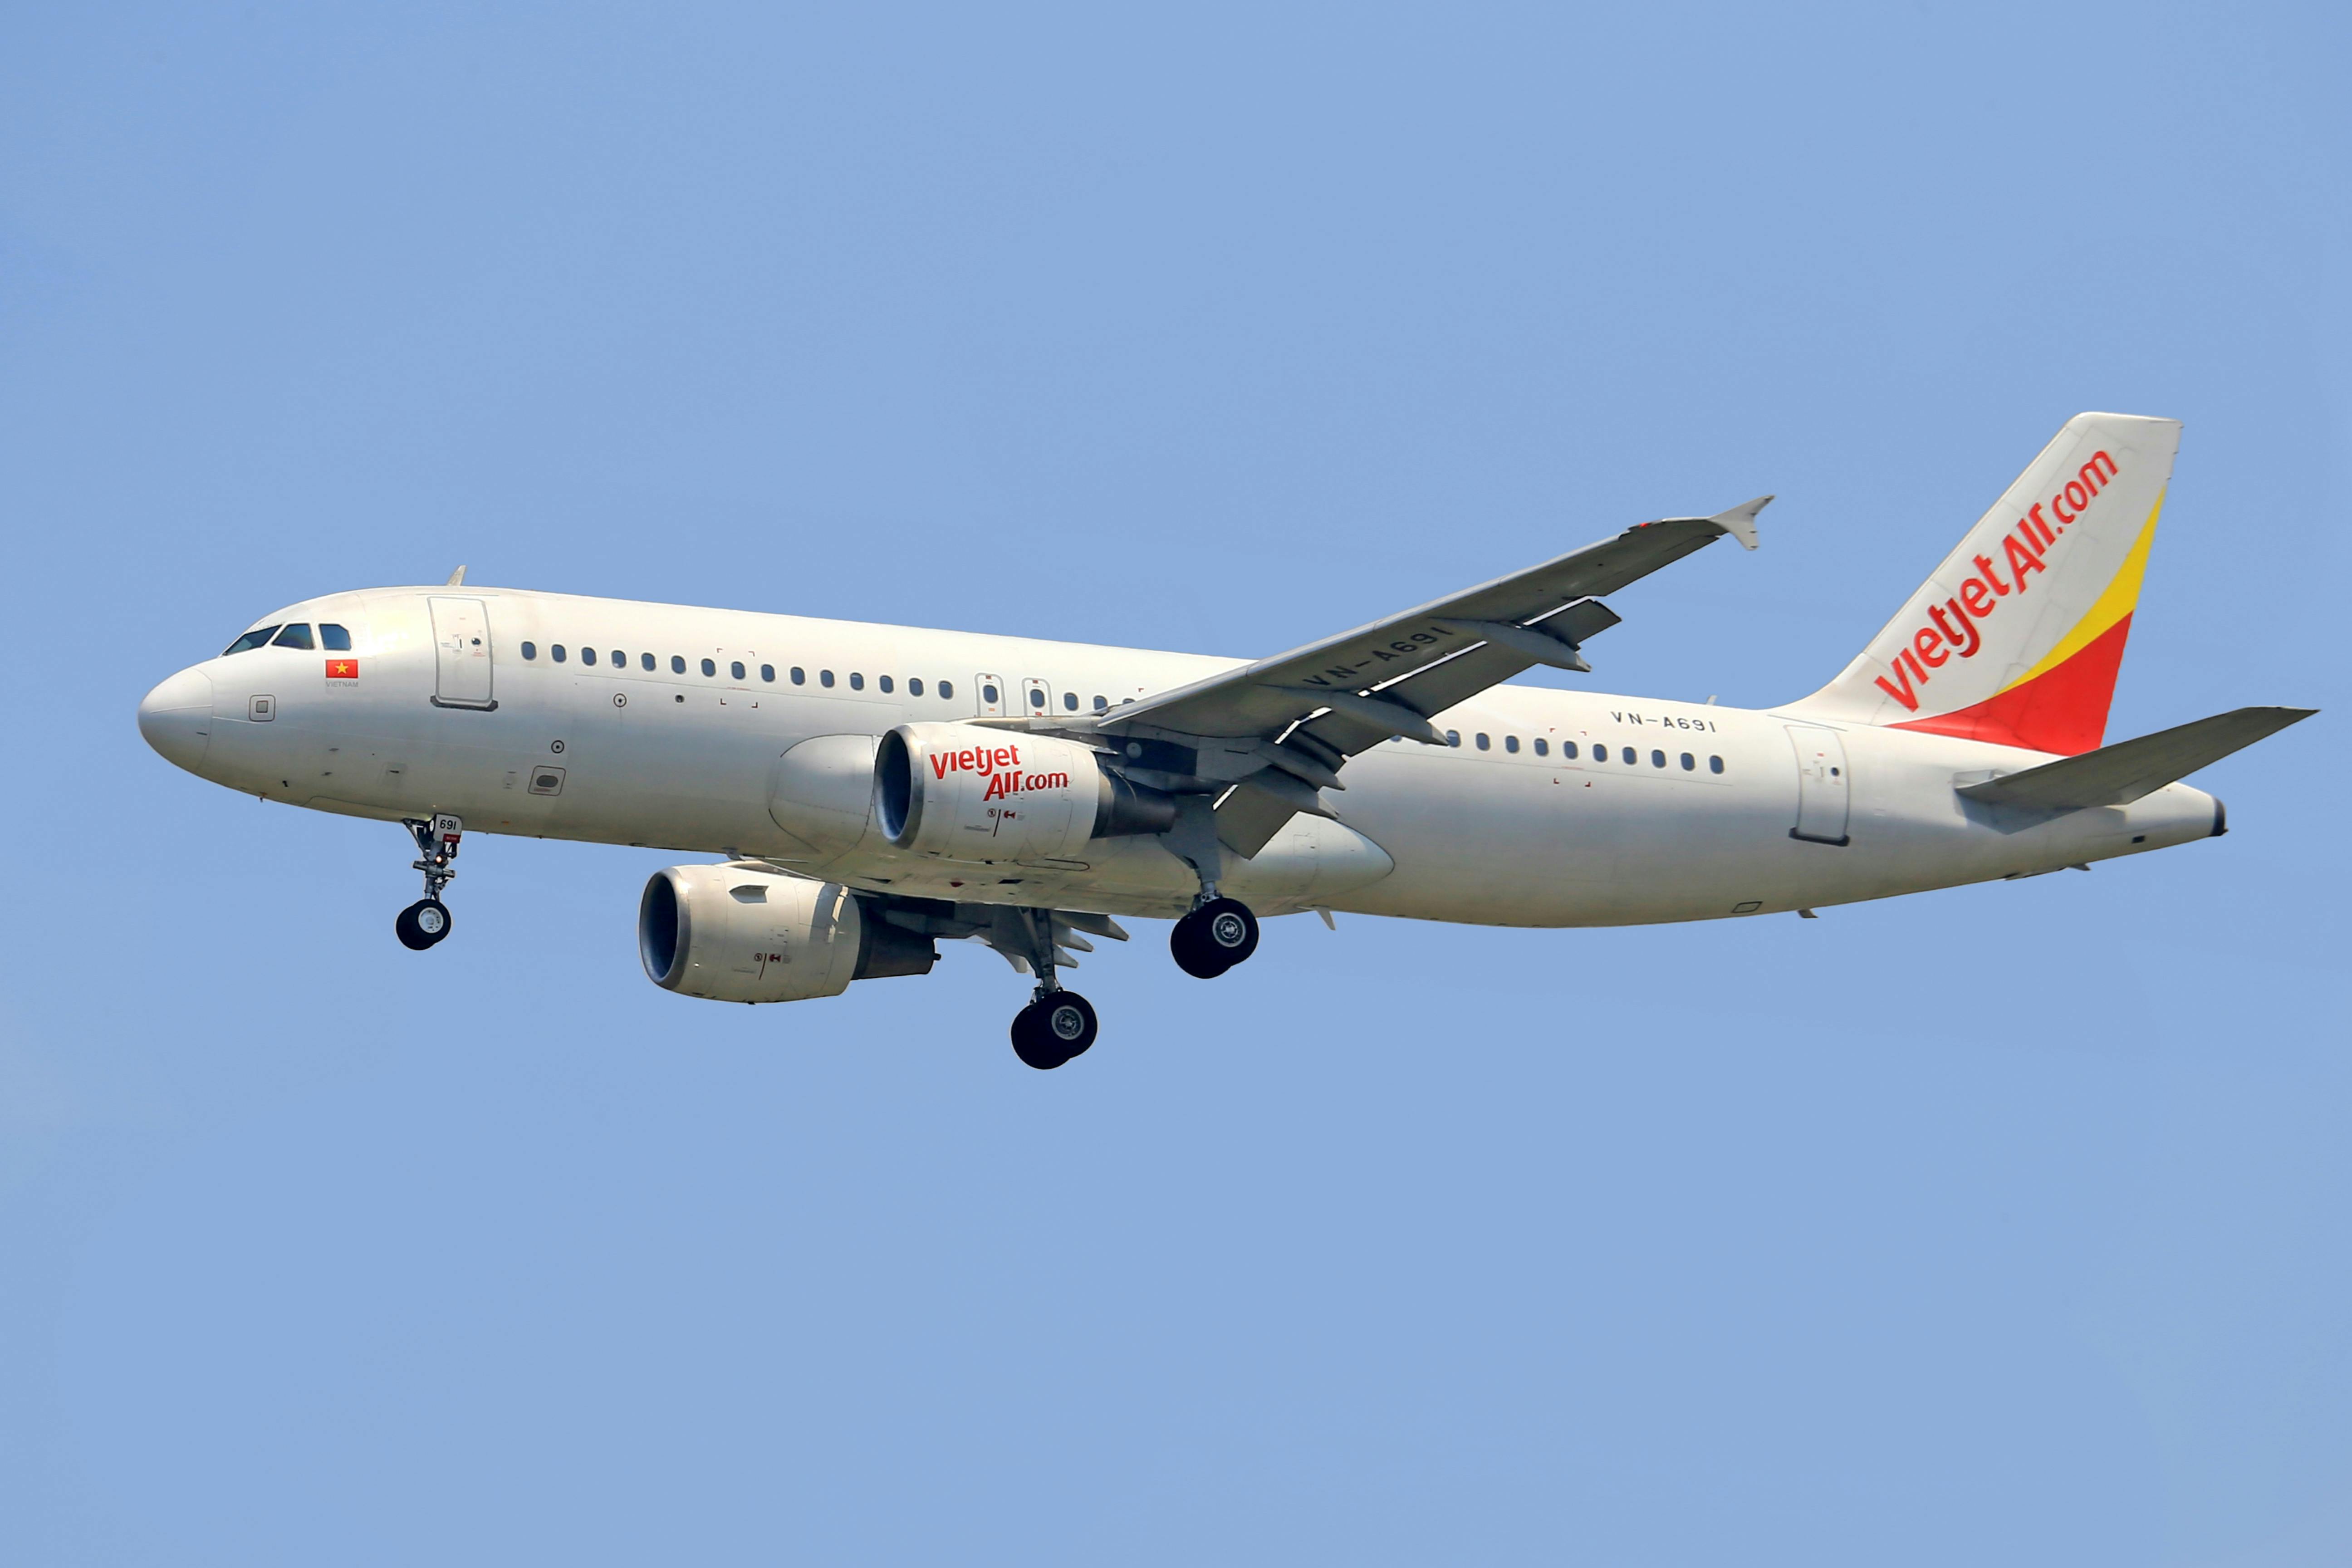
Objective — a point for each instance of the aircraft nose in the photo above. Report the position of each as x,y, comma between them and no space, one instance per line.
176,718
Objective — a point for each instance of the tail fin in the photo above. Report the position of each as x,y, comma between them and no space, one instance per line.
2018,637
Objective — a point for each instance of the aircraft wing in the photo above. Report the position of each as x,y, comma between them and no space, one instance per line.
1279,729
1373,674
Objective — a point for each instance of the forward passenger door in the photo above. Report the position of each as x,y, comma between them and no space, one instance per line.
461,652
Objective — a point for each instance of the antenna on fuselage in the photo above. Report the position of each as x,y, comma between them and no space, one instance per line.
457,579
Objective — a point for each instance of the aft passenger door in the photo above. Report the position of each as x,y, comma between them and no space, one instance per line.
1821,785
461,654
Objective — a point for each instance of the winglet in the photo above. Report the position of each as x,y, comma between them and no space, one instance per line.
1740,520
457,578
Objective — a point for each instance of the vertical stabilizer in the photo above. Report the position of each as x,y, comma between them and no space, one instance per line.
2018,635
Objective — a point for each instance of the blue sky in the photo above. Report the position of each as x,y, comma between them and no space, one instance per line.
2007,1224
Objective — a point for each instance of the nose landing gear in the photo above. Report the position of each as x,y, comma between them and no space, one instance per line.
1219,934
425,922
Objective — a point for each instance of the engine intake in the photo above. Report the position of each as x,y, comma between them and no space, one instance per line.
731,933
960,792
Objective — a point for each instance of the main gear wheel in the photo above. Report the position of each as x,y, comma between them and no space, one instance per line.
1214,937
1057,1026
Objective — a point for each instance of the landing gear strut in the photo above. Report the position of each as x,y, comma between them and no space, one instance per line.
425,922
1219,934
1057,1025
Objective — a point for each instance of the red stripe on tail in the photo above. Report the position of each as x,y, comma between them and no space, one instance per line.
2062,709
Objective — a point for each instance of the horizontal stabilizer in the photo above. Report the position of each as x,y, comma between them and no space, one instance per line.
2121,774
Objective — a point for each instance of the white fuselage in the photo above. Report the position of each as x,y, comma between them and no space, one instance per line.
1519,824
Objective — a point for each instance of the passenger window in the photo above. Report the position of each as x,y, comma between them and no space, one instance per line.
857,681
530,650
1037,698
735,670
800,675
1658,759
1510,743
1689,762
295,635
645,661
1630,756
947,689
914,686
334,639
768,673
1543,747
587,656
987,694
1070,701
1102,704
1453,737
709,667
676,665
1599,753
556,653
825,679
250,640
620,659
1714,764
1483,743
883,682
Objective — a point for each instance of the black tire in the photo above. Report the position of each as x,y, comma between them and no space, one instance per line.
1067,1019
1191,950
1230,929
1050,1031
1213,938
422,924
1031,1044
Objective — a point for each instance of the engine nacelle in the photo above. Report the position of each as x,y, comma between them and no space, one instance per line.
961,792
732,933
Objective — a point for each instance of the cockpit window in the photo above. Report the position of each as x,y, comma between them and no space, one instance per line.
252,639
334,639
295,635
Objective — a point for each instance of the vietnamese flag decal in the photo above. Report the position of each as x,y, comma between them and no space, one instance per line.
343,669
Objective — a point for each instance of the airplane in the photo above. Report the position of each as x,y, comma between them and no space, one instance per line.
872,789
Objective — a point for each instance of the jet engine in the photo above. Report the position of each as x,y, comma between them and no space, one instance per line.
963,793
735,933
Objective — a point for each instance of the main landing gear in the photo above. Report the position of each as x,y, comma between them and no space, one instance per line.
424,923
1219,934
1058,1026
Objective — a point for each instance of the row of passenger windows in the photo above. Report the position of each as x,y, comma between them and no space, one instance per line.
989,695
1629,755
331,637
737,671
1037,700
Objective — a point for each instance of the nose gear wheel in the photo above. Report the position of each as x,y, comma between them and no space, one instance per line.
424,923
